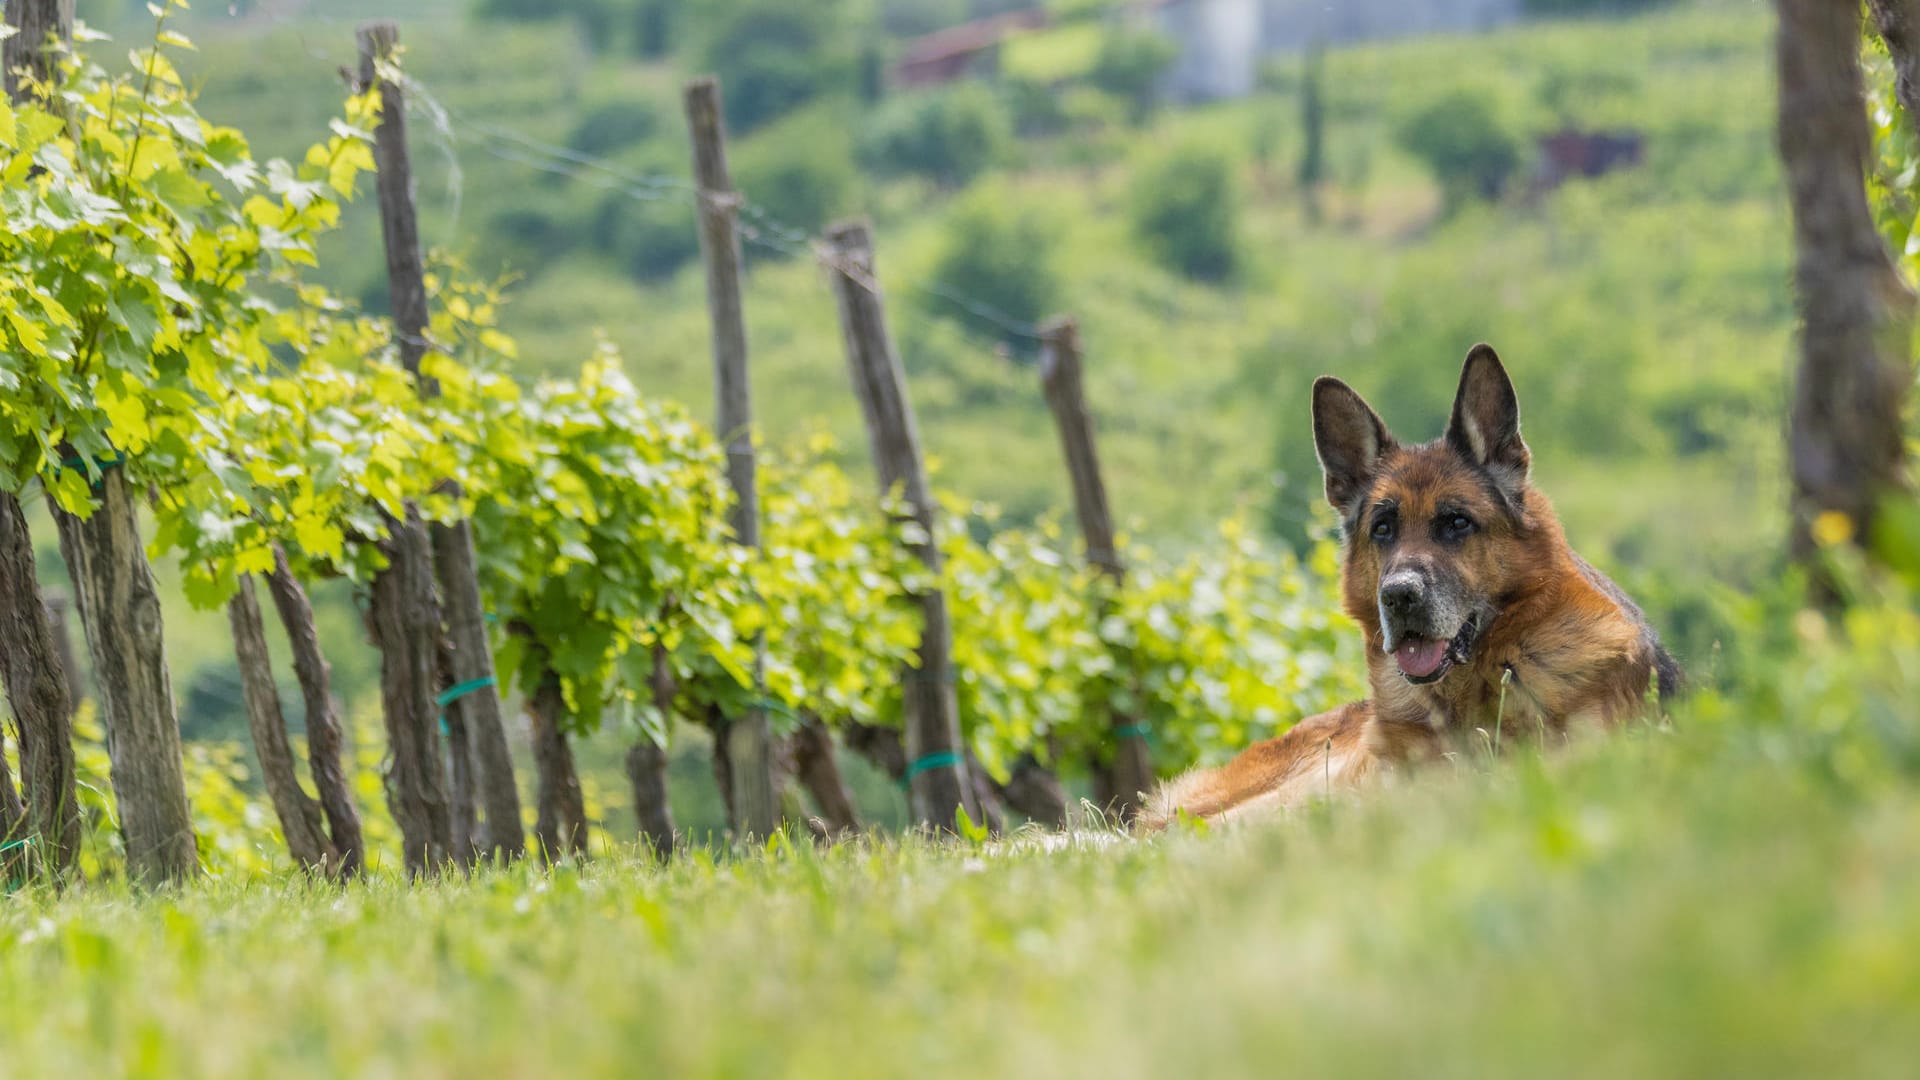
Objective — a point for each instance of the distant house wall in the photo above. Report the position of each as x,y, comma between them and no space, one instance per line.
1219,47
1222,41
1290,26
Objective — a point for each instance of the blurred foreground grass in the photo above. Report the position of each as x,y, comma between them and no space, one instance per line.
1737,896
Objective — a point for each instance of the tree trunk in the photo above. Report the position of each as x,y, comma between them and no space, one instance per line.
819,771
647,769
120,609
17,862
1899,25
33,667
36,21
325,757
1034,792
721,729
881,746
406,627
464,814
301,822
986,796
1845,440
58,604
479,712
561,828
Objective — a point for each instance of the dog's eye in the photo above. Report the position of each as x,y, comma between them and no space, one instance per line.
1383,529
1459,525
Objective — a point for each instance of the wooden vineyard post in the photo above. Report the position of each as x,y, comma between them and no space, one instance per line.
936,771
1060,378
301,822
756,808
476,706
326,742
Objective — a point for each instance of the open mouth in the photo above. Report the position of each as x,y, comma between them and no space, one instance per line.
1425,660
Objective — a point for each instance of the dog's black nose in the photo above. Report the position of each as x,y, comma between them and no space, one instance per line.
1400,597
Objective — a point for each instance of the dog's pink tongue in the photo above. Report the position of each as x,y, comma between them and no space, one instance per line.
1419,657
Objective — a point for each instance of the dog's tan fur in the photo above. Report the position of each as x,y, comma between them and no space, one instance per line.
1566,652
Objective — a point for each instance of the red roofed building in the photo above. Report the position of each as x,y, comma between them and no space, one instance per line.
968,49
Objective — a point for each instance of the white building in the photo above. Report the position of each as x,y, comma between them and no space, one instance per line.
1223,41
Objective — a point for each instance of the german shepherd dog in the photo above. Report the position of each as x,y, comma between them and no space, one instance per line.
1478,616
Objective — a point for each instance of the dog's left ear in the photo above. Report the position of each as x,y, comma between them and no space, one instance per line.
1486,419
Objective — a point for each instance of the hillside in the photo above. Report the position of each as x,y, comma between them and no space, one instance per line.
1646,315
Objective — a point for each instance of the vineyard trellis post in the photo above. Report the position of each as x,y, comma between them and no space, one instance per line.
1131,772
326,742
936,771
300,818
477,707
756,808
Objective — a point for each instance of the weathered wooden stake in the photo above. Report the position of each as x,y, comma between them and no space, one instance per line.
452,544
325,741
936,770
300,818
1060,378
404,621
756,808
1845,438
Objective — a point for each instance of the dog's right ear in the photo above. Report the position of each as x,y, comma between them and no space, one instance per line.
1350,439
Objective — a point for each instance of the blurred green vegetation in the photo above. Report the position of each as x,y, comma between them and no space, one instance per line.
1646,316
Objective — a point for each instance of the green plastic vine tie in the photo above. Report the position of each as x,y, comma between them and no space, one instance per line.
102,463
939,759
457,691
1133,731
14,883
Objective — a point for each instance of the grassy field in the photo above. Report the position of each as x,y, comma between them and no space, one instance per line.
1727,898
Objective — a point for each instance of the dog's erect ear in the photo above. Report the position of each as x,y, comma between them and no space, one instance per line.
1350,439
1486,419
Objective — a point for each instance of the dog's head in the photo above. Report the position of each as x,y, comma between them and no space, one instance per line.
1436,534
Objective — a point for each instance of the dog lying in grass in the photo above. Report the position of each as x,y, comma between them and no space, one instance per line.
1480,621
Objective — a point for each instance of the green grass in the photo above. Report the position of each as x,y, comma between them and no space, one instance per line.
1700,903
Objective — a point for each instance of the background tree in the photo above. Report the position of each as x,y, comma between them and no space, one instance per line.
1463,142
1185,208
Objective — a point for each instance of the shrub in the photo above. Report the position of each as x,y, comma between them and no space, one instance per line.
998,253
800,173
613,127
1130,65
1186,212
1461,139
949,136
649,239
773,56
